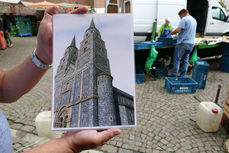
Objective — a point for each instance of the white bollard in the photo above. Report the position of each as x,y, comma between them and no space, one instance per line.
43,126
209,116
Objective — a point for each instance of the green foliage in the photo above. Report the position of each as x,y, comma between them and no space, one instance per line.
222,4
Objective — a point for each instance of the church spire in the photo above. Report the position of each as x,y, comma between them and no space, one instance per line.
73,43
92,24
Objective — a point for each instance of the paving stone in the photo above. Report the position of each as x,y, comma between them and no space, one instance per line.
120,150
164,141
109,148
163,118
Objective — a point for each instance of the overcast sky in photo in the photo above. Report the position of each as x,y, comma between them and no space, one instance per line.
117,32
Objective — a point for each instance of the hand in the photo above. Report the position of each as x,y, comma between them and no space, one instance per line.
88,139
44,37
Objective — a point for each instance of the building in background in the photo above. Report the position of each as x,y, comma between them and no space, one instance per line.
100,5
226,2
84,93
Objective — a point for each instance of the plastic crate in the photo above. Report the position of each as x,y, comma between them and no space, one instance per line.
167,41
140,75
159,73
180,85
224,64
200,73
159,69
225,51
142,45
158,44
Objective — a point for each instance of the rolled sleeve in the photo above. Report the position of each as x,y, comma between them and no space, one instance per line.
182,24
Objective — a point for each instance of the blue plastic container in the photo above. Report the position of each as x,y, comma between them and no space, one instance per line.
158,44
224,64
159,69
142,45
140,75
159,73
225,51
200,73
166,41
180,85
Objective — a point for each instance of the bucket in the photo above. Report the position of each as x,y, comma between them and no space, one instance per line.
43,126
209,116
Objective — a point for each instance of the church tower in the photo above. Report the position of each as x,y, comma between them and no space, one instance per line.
92,79
84,85
64,85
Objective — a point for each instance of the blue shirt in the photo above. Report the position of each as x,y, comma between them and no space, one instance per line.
5,136
187,34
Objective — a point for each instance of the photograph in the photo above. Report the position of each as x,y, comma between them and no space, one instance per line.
93,72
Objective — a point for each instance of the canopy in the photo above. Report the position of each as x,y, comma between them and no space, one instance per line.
43,5
10,1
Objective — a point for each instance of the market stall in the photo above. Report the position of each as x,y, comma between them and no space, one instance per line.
205,48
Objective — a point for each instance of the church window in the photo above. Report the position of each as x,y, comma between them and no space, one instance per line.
85,49
65,120
98,82
131,116
111,118
66,88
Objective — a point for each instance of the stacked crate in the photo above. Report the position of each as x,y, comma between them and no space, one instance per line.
224,62
13,31
23,25
140,75
200,73
167,41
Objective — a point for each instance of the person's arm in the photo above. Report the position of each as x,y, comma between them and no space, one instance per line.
180,27
74,142
176,31
161,30
18,81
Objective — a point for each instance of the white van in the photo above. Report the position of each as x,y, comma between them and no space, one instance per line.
211,17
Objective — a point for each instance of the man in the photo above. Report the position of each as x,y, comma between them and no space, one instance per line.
18,81
186,36
165,29
7,29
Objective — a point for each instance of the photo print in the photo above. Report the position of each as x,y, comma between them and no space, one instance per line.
93,72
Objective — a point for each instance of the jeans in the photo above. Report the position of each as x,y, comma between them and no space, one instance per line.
5,135
181,53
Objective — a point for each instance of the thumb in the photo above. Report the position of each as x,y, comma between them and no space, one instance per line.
106,135
49,12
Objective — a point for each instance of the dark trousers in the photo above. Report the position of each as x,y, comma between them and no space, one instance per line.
7,37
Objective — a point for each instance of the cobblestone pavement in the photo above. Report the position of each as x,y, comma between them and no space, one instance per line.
166,122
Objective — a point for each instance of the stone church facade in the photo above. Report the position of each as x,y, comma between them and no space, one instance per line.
84,93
